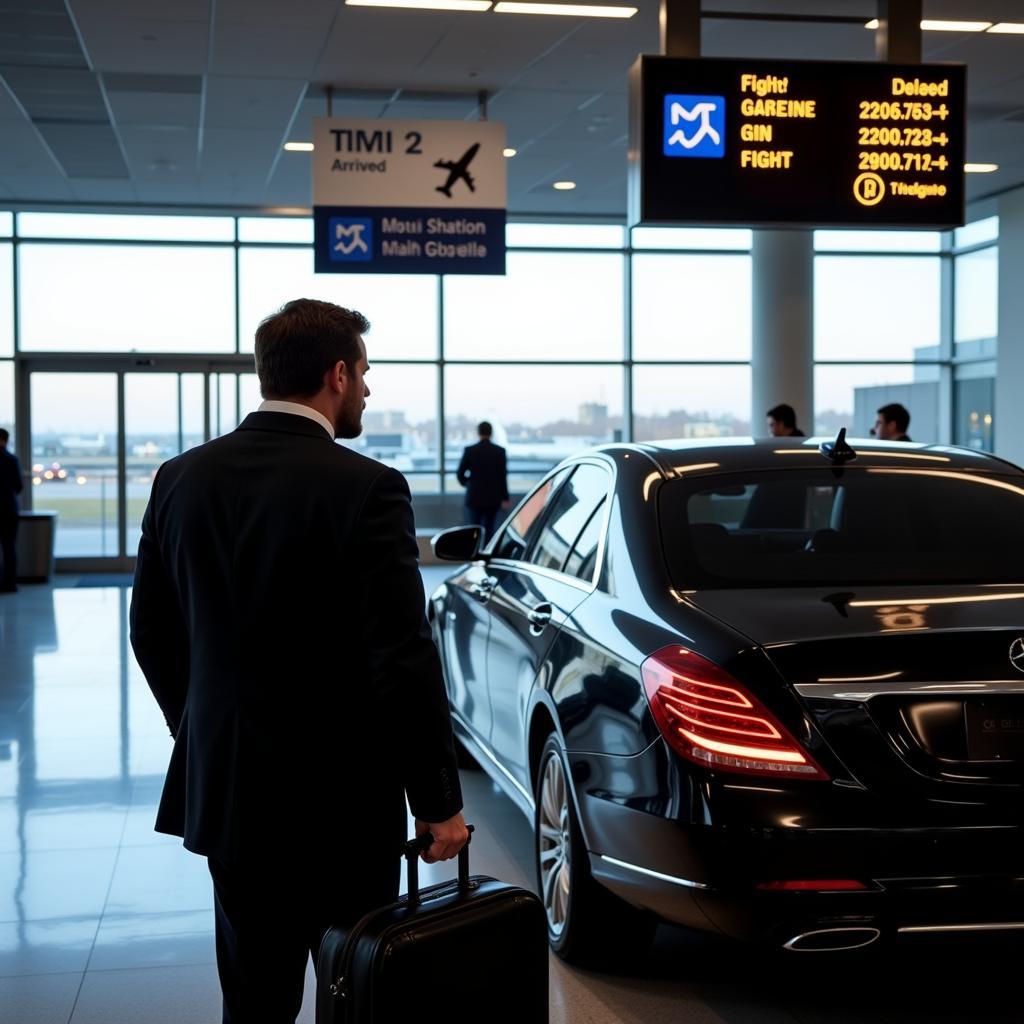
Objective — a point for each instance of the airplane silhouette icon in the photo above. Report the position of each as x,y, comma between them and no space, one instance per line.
458,169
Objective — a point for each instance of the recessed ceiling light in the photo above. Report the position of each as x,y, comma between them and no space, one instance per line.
299,147
1009,28
426,5
564,186
569,10
934,25
510,152
980,168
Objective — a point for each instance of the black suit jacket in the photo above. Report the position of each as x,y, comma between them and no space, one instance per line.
278,616
10,484
483,472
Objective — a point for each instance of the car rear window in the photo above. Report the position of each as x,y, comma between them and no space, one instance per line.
839,527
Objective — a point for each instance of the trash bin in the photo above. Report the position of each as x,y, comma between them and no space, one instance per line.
36,534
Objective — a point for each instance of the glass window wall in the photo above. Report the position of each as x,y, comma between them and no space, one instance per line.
691,307
869,308
402,310
690,401
581,329
74,459
976,296
850,396
6,300
549,306
126,298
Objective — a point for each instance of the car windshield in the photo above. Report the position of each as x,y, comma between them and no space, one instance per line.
838,527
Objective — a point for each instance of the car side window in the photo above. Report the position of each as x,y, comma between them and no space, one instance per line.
571,512
583,557
520,531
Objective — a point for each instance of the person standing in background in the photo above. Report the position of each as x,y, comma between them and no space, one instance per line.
483,471
782,422
892,423
10,488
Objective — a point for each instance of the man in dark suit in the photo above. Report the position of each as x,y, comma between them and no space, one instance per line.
278,615
10,488
483,472
892,423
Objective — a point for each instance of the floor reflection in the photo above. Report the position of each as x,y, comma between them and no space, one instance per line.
102,920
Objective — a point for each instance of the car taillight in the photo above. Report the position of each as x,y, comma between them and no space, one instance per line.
814,885
709,718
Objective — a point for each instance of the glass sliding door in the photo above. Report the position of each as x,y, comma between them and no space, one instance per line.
75,456
157,426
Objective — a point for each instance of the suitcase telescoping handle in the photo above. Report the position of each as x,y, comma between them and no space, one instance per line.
412,850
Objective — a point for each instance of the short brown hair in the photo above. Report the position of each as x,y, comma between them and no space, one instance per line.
896,413
299,343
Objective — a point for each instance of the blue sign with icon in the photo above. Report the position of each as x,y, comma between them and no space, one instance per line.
694,126
350,239
408,240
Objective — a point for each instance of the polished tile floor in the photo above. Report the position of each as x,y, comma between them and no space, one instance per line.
104,921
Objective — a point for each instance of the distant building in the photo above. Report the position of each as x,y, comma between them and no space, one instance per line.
594,414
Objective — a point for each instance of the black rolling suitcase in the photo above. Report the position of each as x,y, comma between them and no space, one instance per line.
475,944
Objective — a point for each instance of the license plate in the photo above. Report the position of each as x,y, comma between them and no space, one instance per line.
995,730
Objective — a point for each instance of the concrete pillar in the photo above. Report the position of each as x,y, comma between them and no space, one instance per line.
1009,411
782,361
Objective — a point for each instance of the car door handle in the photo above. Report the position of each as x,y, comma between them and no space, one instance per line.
482,590
539,617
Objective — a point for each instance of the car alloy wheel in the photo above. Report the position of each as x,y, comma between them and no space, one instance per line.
553,845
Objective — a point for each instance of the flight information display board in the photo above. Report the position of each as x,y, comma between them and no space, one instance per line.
769,142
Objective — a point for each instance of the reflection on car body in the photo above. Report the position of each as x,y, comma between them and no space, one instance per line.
744,688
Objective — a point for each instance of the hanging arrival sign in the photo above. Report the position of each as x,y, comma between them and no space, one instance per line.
409,197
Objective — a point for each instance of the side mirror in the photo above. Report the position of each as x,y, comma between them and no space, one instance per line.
459,544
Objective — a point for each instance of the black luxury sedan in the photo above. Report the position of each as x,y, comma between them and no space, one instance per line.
771,689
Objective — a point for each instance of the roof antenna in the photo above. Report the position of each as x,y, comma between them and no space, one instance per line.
838,450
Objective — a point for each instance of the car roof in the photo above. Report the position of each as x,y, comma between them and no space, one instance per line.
738,454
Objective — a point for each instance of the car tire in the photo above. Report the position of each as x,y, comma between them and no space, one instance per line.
587,925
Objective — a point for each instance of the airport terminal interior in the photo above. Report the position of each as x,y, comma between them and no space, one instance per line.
164,187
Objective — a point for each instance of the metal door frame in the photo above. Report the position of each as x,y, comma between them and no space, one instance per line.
119,364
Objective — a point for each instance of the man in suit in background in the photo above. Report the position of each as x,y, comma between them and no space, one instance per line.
782,421
484,473
278,615
892,423
10,488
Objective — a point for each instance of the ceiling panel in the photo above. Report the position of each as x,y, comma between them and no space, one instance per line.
316,14
598,56
100,190
494,48
235,163
284,51
86,150
155,155
788,40
181,187
154,101
364,50
251,103
150,45
25,160
559,84
159,10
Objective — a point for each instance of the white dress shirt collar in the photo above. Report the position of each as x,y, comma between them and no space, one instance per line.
297,409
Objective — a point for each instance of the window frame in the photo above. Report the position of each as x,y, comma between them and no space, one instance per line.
524,566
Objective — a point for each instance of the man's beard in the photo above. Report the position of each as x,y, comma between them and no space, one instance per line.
349,423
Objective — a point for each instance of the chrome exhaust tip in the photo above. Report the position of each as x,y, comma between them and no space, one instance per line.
832,940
